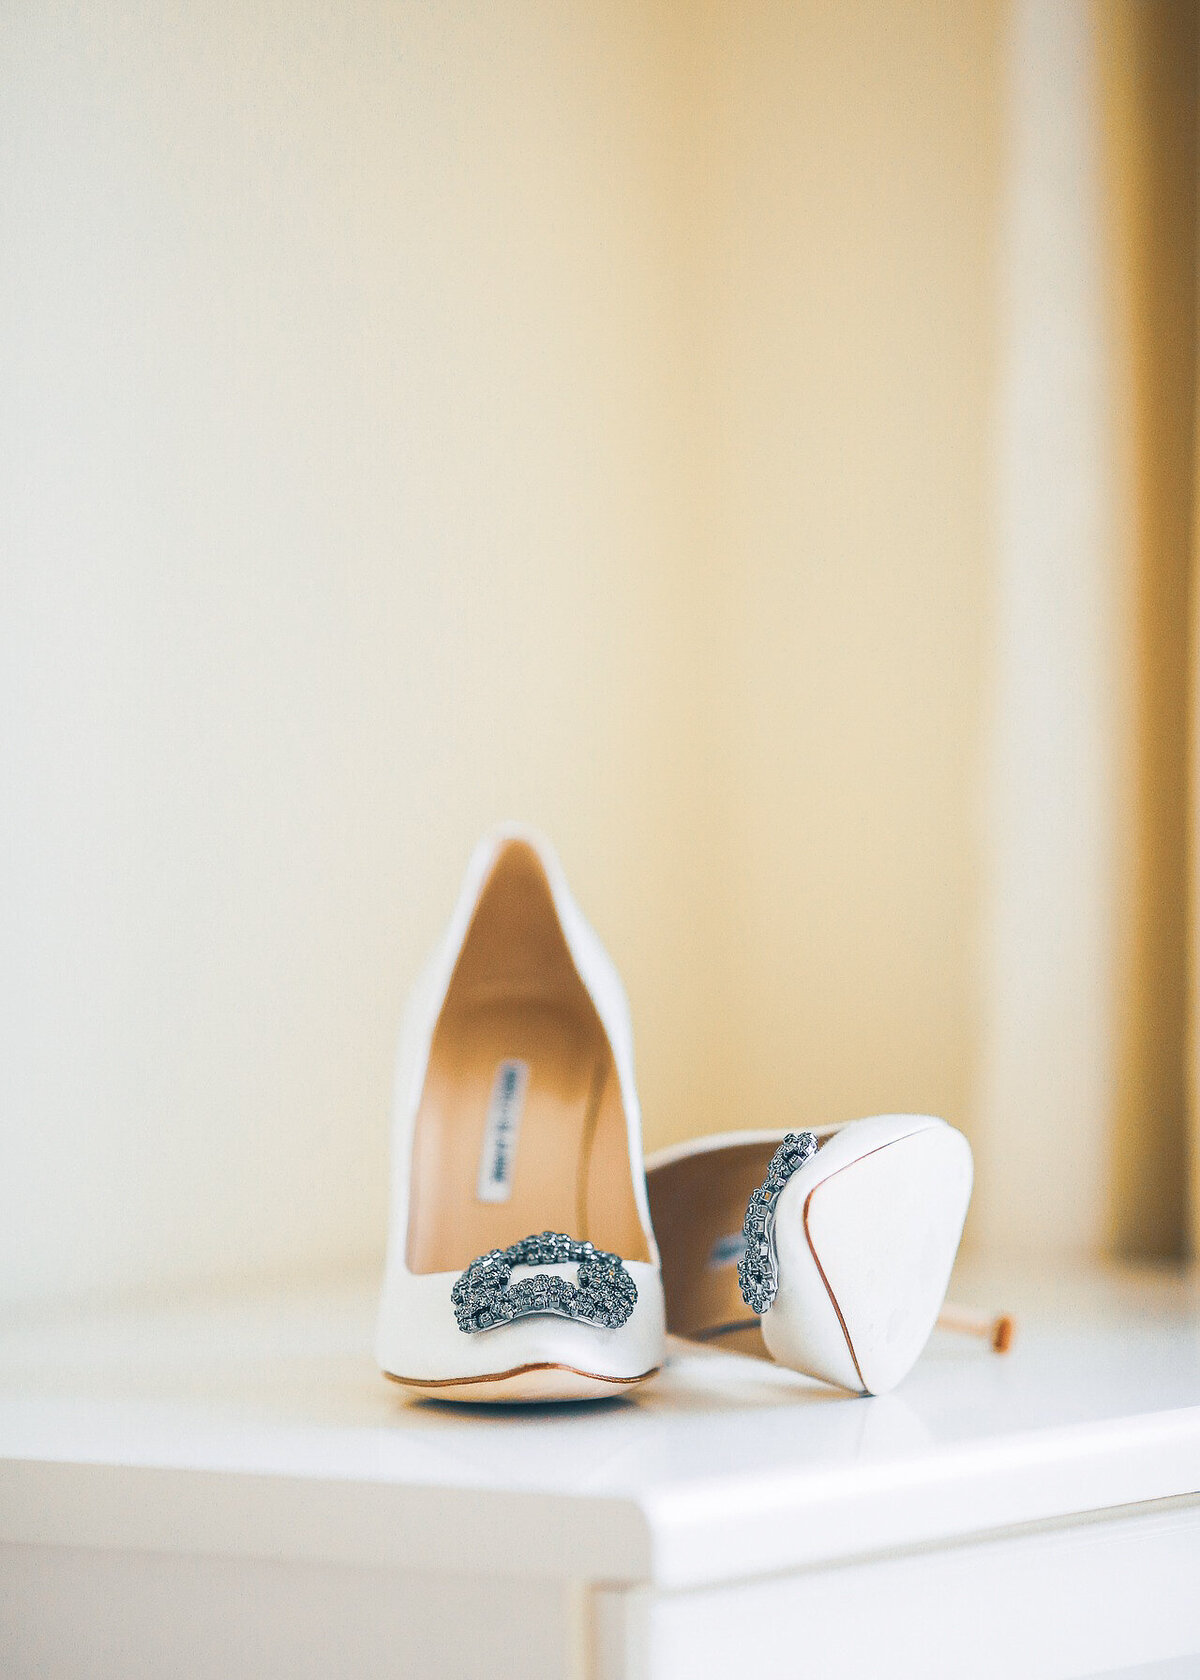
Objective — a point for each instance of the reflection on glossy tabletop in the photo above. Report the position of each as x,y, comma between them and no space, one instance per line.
284,1386
287,1382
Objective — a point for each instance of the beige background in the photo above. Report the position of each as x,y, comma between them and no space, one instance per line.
417,415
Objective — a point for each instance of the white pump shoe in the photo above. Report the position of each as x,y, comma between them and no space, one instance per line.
837,1245
521,1260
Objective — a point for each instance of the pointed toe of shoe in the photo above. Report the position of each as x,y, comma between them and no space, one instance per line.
876,1235
420,1346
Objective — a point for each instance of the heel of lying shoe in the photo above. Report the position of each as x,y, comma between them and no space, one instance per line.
998,1329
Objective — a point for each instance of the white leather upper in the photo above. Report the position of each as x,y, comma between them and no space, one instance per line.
418,1336
803,1328
864,1254
884,1229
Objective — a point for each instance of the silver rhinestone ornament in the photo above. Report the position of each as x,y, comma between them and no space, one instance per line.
758,1271
603,1292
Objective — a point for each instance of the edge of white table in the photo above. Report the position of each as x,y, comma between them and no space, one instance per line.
230,1487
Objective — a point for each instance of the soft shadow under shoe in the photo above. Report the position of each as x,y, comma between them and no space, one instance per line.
834,1246
521,1262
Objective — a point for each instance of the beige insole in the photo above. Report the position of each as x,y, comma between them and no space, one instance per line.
519,1020
564,1157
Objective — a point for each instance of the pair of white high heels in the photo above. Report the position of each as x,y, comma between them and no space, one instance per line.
523,1262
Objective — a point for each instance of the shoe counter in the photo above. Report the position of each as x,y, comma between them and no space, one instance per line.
231,1491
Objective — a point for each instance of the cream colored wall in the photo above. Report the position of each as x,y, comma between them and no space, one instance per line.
1053,886
418,415
855,298
337,523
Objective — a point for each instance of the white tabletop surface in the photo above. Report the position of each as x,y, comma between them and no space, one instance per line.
261,1427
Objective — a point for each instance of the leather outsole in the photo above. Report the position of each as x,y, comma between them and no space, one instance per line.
523,1384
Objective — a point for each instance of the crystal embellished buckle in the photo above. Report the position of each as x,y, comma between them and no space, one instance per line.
603,1293
758,1271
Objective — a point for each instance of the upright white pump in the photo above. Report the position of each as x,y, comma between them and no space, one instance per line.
521,1260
